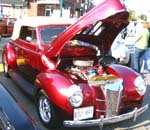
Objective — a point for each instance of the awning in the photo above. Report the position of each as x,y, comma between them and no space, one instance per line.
48,2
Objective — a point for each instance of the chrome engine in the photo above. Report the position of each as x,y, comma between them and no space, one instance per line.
84,69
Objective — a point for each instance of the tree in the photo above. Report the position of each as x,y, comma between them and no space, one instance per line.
144,17
132,16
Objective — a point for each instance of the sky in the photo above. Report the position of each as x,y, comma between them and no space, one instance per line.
138,4
133,4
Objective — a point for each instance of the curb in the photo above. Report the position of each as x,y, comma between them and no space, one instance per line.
1,68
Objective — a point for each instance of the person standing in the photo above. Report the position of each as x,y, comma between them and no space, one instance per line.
146,59
119,49
141,39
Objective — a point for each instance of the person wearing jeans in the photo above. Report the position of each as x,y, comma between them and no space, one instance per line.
138,56
141,45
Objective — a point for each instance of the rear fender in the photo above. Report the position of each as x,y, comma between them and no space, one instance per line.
10,56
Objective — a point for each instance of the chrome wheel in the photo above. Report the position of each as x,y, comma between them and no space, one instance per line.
44,109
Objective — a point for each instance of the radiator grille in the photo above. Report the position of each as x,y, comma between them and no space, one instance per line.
113,99
108,98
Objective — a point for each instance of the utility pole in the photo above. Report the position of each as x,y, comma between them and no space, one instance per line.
61,6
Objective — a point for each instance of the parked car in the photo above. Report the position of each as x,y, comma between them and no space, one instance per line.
12,114
6,26
66,67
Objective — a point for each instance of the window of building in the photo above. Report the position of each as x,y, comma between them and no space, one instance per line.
49,10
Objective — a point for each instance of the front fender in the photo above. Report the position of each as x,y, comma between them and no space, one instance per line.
10,56
128,75
57,84
54,84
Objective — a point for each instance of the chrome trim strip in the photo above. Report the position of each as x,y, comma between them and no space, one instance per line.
100,100
119,99
99,122
97,110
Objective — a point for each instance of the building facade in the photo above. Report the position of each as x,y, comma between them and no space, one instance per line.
52,8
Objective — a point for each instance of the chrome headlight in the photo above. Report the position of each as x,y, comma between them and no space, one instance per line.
140,85
75,96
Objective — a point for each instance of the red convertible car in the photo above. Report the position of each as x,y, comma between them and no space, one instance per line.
64,64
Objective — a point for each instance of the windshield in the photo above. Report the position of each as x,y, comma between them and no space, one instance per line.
48,34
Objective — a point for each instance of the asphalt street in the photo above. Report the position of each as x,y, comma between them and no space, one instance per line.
142,122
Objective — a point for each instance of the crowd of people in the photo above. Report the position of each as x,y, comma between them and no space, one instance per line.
140,31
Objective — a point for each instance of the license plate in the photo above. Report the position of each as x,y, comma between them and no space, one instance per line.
83,113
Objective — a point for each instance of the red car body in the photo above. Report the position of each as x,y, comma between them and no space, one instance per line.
66,67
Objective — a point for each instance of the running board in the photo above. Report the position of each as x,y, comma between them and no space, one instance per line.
26,86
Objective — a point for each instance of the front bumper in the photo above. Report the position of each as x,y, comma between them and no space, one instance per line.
100,122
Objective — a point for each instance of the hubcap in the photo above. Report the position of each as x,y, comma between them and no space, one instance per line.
44,109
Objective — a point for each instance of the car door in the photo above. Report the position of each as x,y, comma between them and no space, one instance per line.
27,52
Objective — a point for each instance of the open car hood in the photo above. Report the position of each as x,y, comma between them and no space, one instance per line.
98,27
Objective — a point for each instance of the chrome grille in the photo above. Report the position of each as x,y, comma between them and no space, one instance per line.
109,96
113,99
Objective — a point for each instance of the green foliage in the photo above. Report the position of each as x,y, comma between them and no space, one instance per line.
132,16
144,17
